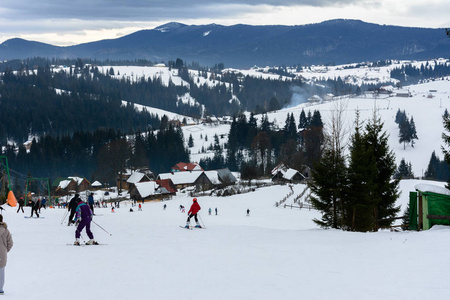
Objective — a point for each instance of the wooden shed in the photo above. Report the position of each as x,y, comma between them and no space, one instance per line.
429,205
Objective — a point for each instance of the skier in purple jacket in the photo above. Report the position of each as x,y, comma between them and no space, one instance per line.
83,215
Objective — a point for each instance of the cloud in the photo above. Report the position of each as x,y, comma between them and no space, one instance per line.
137,9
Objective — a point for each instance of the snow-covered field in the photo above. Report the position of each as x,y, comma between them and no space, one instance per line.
275,253
427,114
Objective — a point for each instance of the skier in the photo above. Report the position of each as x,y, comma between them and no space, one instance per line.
209,211
216,211
91,202
34,207
21,204
165,206
43,204
195,207
83,217
6,244
72,207
140,207
248,212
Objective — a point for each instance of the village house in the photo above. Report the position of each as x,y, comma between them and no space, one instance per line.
187,179
124,182
282,173
151,190
183,167
73,184
221,177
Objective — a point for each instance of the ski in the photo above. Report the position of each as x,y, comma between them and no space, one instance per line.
192,227
26,217
85,245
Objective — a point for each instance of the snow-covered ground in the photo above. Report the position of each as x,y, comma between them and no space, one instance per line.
275,253
426,112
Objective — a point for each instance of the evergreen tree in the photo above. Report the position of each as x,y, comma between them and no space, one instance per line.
412,131
190,141
404,170
446,138
359,202
290,129
327,187
385,192
404,134
302,123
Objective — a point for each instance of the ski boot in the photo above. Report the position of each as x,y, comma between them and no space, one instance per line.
77,242
198,226
187,226
91,242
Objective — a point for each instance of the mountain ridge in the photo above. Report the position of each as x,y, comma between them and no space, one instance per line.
333,41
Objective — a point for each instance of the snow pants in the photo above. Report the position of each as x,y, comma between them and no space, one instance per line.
2,278
190,216
72,214
84,223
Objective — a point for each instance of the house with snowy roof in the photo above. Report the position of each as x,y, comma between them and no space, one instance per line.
72,184
127,178
184,167
221,178
283,173
155,189
186,179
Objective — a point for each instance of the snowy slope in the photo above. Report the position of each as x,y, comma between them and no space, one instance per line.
274,253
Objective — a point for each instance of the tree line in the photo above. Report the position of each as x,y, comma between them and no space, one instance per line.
99,155
255,149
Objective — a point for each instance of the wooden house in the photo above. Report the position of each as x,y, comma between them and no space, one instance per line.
149,190
283,173
71,184
186,179
185,167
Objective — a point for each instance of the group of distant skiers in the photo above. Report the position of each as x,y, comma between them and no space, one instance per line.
35,205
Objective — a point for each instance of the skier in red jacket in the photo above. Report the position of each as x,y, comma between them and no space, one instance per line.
195,207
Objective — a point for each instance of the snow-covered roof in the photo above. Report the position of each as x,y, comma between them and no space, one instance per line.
135,177
290,173
96,183
213,176
181,177
287,173
78,180
181,166
147,188
64,183
278,168
424,187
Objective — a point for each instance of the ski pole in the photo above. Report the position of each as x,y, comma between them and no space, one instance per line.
65,215
200,217
101,227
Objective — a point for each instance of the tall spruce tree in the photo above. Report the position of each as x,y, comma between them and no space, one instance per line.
446,139
359,201
327,187
329,177
386,190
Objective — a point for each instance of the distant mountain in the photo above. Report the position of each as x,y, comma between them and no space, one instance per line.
338,41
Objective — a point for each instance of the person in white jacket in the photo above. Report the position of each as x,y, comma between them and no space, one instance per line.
6,244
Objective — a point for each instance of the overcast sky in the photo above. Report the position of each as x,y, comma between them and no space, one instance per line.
68,22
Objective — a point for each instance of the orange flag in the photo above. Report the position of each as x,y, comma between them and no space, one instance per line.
12,201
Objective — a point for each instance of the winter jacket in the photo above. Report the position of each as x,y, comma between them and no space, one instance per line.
91,200
74,203
195,207
83,211
6,243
